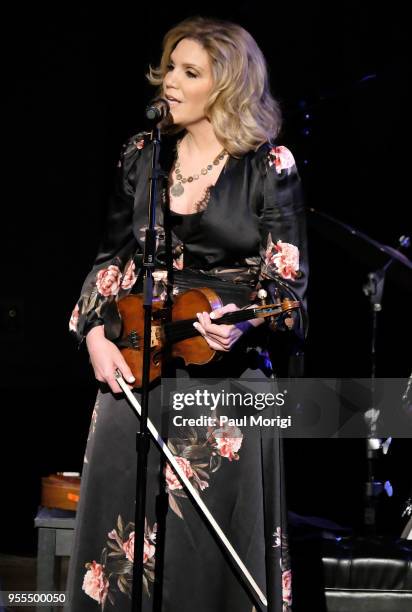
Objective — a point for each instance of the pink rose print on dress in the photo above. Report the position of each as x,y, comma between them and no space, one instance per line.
129,277
95,583
287,589
284,257
128,547
281,158
118,555
227,441
172,480
74,319
148,549
108,281
204,451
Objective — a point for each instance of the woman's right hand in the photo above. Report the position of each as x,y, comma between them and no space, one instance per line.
105,358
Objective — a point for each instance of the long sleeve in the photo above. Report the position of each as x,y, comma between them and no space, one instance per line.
114,271
284,257
284,261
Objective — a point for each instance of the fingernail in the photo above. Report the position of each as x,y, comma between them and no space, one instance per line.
212,315
131,379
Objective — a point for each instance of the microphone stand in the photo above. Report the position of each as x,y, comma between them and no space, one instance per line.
373,289
143,435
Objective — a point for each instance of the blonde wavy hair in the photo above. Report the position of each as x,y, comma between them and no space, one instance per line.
241,109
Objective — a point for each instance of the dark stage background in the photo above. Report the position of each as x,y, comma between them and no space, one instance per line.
75,91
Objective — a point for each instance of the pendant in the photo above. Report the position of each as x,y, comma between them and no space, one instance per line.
177,190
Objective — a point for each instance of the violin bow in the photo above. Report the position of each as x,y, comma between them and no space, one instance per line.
193,492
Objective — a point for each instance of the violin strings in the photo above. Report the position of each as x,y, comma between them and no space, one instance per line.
180,330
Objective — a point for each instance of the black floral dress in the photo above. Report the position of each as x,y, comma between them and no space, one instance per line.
251,234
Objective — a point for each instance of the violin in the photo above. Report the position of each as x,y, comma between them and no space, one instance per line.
172,331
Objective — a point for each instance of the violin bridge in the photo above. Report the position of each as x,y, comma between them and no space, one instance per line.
134,338
155,336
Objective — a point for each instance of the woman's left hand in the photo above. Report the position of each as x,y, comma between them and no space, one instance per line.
220,337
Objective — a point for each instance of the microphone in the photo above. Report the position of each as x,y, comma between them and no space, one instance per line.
157,110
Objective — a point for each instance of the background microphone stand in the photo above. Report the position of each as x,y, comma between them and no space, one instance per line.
373,289
157,112
340,232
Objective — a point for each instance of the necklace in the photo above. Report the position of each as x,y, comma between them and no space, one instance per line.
177,189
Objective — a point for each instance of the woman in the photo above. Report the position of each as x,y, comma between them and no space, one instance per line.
234,215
